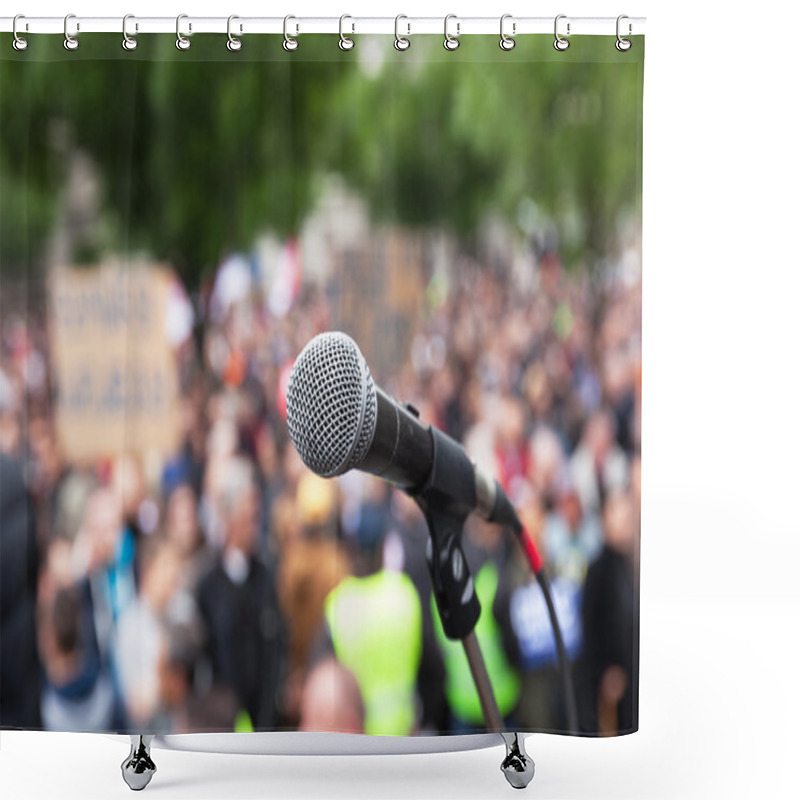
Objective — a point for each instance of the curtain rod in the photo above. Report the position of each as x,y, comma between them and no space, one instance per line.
297,26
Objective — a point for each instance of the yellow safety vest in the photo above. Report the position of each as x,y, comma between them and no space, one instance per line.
462,696
376,627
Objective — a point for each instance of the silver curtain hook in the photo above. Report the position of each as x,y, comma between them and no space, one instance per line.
451,42
234,42
128,42
345,42
560,43
70,42
182,42
623,44
401,42
506,42
19,43
289,42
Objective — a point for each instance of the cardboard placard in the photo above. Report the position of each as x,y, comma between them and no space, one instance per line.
116,376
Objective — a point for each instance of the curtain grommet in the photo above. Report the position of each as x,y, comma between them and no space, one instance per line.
234,43
507,42
451,42
182,42
290,43
622,44
560,43
128,42
20,43
401,42
70,42
345,42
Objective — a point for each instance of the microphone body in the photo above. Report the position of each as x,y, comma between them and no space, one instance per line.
340,420
418,457
401,450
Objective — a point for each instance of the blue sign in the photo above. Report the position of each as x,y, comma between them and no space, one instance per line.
531,622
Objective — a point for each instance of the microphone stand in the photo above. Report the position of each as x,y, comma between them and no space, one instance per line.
454,591
477,666
446,500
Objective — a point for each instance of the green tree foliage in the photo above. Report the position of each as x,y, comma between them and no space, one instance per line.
480,129
199,151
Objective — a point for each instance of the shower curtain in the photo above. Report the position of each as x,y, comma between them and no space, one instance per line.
175,226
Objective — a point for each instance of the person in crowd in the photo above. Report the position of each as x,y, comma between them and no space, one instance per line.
182,528
78,694
374,628
189,463
102,560
331,700
573,539
271,482
488,556
10,428
238,603
540,690
609,665
215,711
620,391
599,466
19,566
178,659
45,472
128,485
141,631
511,448
221,447
69,504
406,545
313,563
547,471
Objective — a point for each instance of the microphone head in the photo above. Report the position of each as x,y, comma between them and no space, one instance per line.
331,405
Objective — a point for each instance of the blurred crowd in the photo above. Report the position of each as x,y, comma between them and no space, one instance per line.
225,587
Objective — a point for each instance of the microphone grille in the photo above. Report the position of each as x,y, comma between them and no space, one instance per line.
331,405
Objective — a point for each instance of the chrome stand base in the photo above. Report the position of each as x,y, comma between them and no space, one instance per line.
138,768
517,766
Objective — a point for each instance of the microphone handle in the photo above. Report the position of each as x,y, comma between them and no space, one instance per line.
401,451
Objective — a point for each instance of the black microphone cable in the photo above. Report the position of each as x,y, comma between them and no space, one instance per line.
536,564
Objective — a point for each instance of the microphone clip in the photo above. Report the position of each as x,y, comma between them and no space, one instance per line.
446,500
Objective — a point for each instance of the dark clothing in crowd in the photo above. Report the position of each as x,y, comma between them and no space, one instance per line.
19,565
430,680
88,699
611,625
245,638
503,558
537,373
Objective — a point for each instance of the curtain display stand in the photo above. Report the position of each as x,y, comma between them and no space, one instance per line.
138,768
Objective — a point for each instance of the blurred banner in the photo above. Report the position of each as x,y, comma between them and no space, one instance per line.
381,288
115,372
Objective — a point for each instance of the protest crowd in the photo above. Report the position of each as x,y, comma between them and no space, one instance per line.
222,586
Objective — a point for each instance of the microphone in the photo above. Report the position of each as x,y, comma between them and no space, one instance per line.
340,420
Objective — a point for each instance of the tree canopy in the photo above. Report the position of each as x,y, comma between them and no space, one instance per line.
200,151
